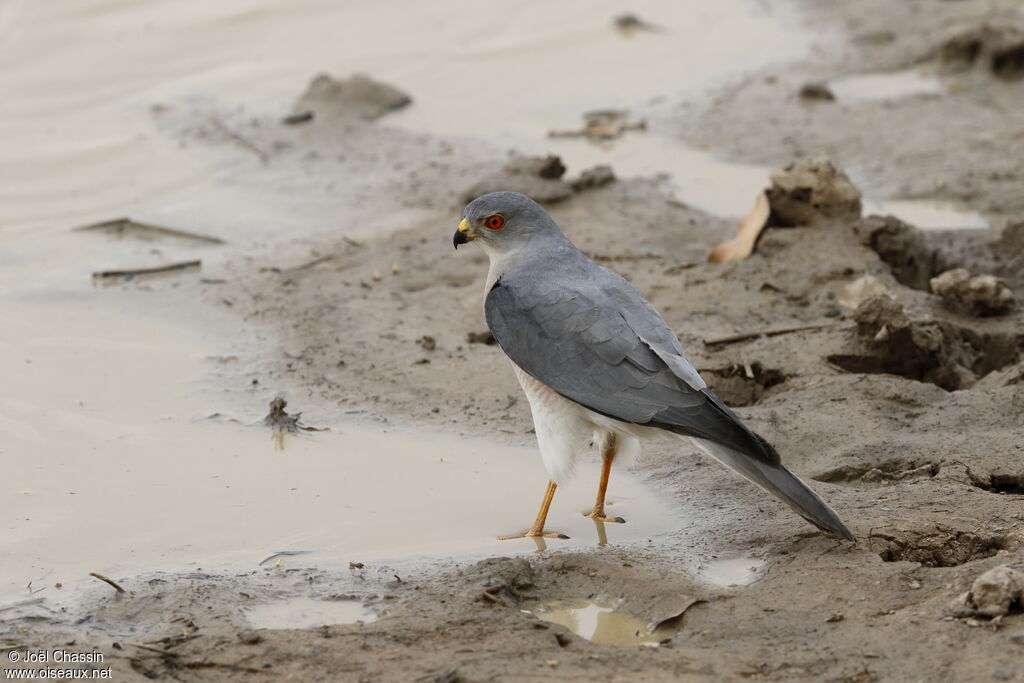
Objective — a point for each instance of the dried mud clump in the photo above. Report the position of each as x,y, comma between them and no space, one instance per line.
923,348
902,247
885,473
358,98
812,191
981,295
595,176
937,547
816,92
536,177
742,385
993,594
1000,49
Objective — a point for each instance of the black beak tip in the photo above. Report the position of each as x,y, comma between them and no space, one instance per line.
460,238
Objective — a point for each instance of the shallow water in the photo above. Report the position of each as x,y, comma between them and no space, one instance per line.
600,623
929,214
731,571
307,613
112,466
887,85
112,460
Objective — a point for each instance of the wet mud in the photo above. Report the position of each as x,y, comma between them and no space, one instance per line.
900,401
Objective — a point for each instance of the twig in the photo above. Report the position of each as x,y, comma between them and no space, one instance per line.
309,264
237,137
283,553
150,648
137,272
121,225
742,336
106,580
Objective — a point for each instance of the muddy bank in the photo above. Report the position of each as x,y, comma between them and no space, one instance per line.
904,411
934,124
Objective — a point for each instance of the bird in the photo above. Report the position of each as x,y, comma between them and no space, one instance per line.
599,365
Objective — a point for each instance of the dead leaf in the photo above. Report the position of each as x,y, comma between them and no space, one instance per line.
742,246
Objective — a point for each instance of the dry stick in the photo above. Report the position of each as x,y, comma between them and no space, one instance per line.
106,580
123,224
129,274
767,333
149,648
309,264
239,139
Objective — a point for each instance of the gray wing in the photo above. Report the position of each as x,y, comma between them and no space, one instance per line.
607,349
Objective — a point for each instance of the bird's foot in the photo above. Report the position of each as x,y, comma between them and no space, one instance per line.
597,514
534,533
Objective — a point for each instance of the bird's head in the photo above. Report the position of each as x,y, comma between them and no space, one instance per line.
503,222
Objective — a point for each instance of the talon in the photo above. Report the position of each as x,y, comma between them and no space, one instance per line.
534,533
599,516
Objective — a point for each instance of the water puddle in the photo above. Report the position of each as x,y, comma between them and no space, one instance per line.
929,214
889,85
734,571
600,623
299,613
91,473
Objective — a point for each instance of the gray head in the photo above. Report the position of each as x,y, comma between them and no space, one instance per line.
503,222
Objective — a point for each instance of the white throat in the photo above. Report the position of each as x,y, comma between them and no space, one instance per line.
499,260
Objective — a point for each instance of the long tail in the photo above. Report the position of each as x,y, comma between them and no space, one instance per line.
782,483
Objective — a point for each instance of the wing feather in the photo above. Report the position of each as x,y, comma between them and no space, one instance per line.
615,357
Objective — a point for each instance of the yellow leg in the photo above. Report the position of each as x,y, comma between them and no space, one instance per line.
538,525
602,487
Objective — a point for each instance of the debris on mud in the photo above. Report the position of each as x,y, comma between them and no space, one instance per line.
980,295
357,98
536,177
595,176
1000,49
297,118
108,581
484,337
937,545
126,227
629,23
860,290
902,246
112,276
742,246
742,384
816,92
810,191
603,124
993,594
281,421
922,347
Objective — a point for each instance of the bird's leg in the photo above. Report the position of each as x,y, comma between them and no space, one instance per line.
538,524
602,487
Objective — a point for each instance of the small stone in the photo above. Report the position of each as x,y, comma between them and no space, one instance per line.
980,295
816,92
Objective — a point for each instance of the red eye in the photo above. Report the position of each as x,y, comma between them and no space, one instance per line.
494,222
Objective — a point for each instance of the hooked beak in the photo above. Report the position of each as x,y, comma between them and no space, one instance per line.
462,235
